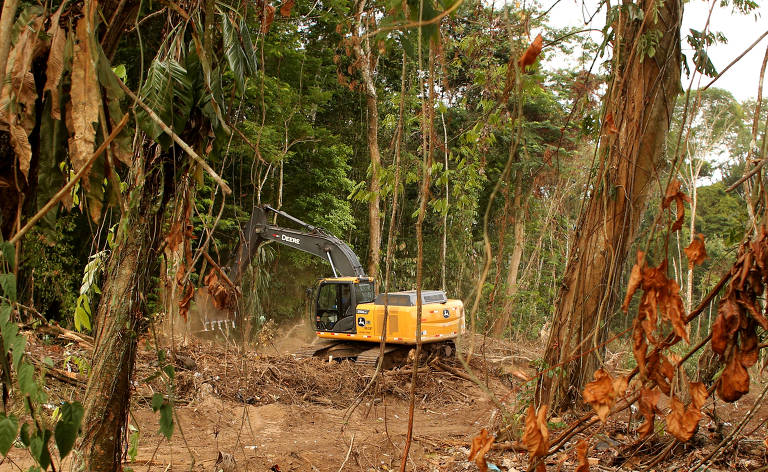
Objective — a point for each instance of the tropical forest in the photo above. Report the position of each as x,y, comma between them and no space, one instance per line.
383,235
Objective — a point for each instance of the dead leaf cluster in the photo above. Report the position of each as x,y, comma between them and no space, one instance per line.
536,434
683,421
602,392
734,332
661,295
532,53
673,194
481,444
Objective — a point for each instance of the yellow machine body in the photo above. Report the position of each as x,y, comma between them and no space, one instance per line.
441,320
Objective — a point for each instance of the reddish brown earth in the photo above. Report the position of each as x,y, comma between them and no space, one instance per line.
271,409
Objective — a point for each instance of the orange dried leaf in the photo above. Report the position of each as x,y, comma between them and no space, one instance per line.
481,444
639,346
581,456
285,9
646,314
672,307
748,344
698,394
696,252
682,421
673,193
601,393
635,279
269,17
734,381
186,300
729,315
609,127
530,55
647,405
83,106
536,434
661,370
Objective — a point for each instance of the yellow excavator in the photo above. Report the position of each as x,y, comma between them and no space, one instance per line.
347,310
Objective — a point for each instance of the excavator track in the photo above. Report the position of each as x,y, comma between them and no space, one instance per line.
370,357
316,349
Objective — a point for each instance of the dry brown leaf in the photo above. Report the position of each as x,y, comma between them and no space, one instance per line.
174,237
285,9
647,406
635,279
682,421
55,66
734,381
673,193
661,370
83,107
655,278
748,344
728,320
581,456
698,394
646,314
186,300
672,307
696,252
21,91
536,434
639,346
269,17
601,393
481,444
609,127
530,55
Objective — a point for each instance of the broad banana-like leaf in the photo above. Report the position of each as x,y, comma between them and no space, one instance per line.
168,92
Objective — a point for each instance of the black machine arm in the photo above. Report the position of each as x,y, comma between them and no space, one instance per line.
314,240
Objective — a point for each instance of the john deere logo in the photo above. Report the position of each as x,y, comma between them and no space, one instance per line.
290,239
446,313
361,321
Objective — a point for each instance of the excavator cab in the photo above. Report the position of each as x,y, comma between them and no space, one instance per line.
337,300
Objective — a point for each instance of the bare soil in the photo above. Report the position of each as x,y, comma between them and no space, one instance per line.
254,410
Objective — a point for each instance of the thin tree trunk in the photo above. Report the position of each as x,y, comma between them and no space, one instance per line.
518,231
118,324
444,246
640,101
367,64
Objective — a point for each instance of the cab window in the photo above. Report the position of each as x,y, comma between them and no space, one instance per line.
327,298
364,292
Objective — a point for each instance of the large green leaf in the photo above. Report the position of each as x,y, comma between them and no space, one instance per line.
168,92
8,286
68,427
9,425
38,447
166,414
233,50
9,252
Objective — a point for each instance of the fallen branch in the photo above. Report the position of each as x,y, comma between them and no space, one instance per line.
67,377
449,369
351,443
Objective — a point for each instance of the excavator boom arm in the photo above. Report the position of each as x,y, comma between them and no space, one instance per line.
316,241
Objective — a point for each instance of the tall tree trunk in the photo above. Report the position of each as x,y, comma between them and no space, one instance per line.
367,63
118,323
374,218
640,102
518,232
